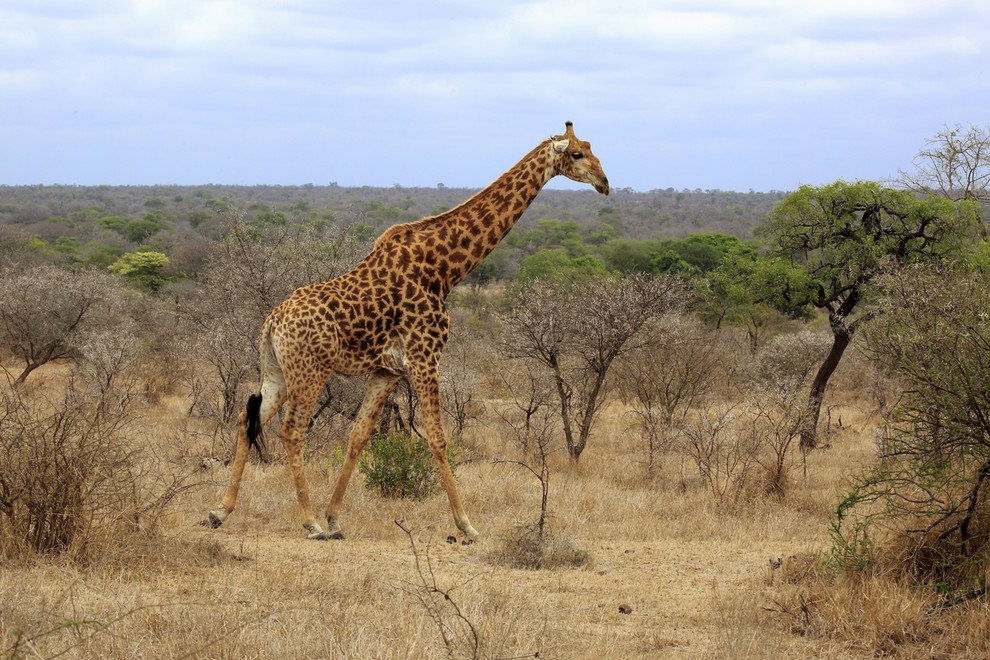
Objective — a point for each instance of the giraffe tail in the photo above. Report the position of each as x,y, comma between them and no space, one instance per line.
252,414
253,423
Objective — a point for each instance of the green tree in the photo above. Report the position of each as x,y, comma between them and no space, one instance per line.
95,254
272,218
67,245
143,268
843,235
138,231
751,291
698,253
555,264
113,223
627,255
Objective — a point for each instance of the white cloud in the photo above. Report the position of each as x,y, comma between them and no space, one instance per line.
715,80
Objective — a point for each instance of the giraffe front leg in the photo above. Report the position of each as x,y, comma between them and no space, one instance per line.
375,394
428,388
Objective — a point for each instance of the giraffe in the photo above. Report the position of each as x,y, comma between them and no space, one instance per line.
385,319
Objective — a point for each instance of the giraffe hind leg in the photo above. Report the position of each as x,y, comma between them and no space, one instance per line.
259,409
219,514
295,424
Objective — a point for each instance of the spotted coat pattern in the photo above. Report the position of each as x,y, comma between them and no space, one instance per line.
386,318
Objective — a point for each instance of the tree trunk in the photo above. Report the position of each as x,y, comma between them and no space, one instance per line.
809,428
564,395
31,366
589,412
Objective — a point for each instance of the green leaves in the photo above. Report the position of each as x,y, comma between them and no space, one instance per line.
143,268
843,234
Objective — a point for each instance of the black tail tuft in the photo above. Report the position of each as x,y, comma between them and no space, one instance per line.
254,422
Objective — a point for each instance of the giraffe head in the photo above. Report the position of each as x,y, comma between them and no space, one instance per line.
573,159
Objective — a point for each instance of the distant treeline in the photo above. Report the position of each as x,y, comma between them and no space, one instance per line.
95,226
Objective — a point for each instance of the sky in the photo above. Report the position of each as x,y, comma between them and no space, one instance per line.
711,94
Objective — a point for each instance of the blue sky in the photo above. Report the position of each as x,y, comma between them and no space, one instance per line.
726,94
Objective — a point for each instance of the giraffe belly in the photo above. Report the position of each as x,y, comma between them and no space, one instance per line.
361,359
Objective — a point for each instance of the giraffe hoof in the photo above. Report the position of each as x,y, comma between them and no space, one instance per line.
471,535
215,519
326,536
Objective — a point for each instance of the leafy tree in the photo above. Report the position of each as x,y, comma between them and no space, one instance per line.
138,231
698,253
39,247
67,245
751,291
843,235
550,233
98,255
557,265
142,268
276,218
669,260
626,255
113,223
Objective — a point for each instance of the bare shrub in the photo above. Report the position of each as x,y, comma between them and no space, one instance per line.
724,451
577,331
538,433
929,490
775,423
46,312
533,426
774,380
677,362
787,360
525,547
71,478
526,419
336,407
875,613
459,634
460,379
954,163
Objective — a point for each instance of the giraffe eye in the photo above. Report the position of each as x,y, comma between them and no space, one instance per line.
577,155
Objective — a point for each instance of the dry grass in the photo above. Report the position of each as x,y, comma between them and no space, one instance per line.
668,572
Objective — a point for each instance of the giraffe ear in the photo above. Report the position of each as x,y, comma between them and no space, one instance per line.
560,146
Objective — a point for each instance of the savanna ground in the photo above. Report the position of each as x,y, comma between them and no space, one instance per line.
671,570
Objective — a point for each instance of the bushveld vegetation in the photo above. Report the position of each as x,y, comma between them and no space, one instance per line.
627,386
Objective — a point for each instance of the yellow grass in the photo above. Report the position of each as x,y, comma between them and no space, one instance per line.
670,573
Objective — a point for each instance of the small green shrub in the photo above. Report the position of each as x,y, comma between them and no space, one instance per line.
401,465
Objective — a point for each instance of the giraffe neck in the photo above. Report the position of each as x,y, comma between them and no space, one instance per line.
468,233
